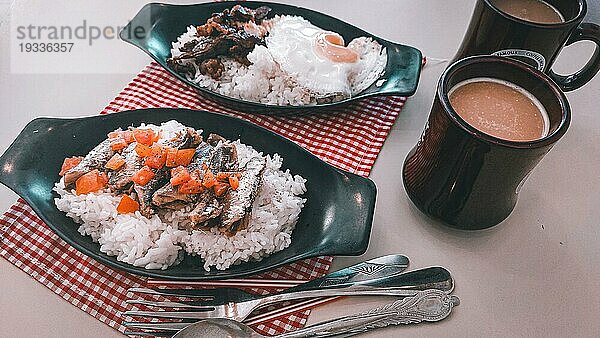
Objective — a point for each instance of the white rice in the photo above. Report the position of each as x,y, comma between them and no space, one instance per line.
158,243
265,82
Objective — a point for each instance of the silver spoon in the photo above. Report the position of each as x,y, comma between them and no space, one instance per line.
428,305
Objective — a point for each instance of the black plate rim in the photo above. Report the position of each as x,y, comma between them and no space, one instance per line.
160,274
269,108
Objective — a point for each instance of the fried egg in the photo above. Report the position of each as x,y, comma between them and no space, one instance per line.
315,58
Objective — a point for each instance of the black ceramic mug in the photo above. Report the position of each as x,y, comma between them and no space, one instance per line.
465,177
495,32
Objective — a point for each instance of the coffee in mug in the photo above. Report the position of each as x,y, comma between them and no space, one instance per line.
462,173
500,108
533,32
537,11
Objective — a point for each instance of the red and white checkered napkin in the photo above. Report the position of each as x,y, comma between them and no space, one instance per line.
349,138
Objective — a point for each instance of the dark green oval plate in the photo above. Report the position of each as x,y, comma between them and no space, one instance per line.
336,219
158,25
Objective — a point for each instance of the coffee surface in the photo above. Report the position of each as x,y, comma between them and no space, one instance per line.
530,10
500,108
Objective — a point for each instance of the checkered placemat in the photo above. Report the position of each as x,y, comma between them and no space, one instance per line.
349,138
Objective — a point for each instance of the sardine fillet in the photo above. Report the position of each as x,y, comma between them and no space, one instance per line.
238,205
95,159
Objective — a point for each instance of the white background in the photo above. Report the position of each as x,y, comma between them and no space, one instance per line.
516,279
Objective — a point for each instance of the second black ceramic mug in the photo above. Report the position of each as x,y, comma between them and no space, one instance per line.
465,177
495,32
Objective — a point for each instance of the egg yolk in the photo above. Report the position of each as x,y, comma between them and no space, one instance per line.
331,46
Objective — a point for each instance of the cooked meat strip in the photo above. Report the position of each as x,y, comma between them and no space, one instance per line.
261,13
207,208
168,196
185,68
212,67
241,13
213,28
95,159
238,203
189,46
232,33
185,139
237,43
120,179
214,139
224,158
218,159
145,192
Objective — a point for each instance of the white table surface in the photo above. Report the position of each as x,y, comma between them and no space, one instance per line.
536,274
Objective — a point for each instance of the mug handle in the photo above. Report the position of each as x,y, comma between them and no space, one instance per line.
585,31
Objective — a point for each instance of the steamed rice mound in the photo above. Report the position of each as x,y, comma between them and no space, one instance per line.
265,82
157,243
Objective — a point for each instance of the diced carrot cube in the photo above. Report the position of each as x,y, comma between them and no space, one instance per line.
90,182
118,143
157,157
179,176
103,179
143,150
127,205
197,175
157,136
171,160
234,182
69,163
223,176
209,179
184,156
115,162
157,150
143,176
155,162
114,134
191,187
127,135
227,176
144,136
220,188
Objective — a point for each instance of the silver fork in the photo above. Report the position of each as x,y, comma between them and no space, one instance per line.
363,272
402,285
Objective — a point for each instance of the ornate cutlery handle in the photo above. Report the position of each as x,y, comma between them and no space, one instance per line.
428,305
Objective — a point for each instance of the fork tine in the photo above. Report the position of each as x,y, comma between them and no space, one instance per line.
166,304
173,314
157,326
208,293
